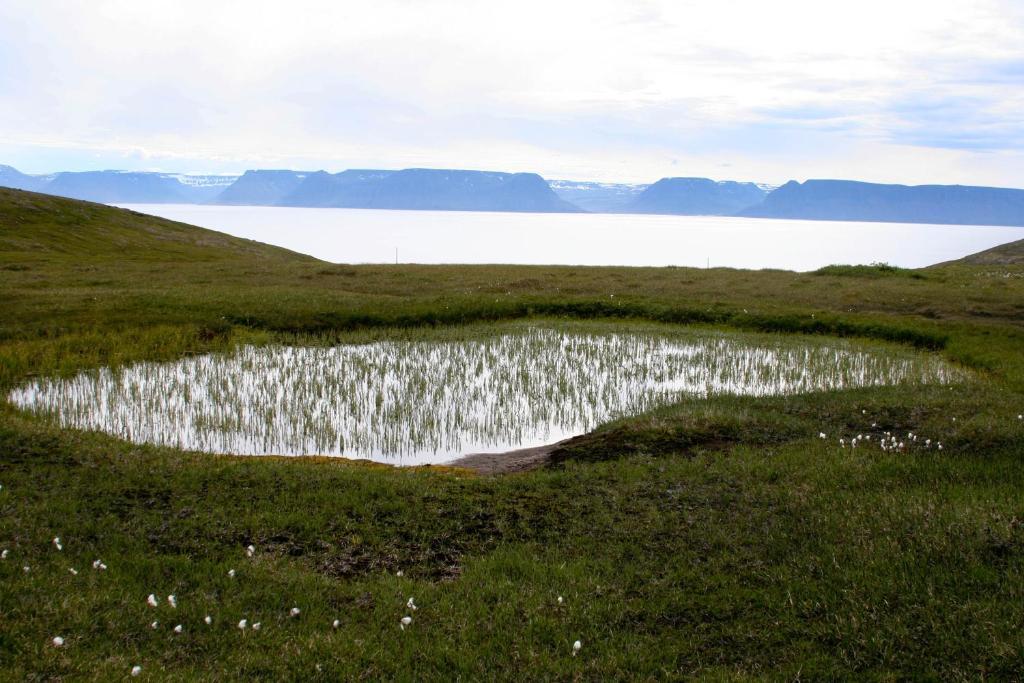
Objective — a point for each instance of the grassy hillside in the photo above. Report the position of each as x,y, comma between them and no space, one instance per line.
1011,253
716,538
41,227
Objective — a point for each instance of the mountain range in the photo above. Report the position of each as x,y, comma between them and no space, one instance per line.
461,190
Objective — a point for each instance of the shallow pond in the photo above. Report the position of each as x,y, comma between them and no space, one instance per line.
431,400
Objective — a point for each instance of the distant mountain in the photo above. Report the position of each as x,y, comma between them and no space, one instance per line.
458,190
111,187
847,200
261,188
597,197
120,187
352,188
428,189
696,197
12,177
204,188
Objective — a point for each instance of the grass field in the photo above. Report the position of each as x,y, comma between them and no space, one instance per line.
718,538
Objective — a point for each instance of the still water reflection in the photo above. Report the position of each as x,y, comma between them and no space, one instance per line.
412,402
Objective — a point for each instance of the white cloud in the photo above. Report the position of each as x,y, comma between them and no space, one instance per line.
601,89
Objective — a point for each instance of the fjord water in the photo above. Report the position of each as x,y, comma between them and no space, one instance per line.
432,400
373,236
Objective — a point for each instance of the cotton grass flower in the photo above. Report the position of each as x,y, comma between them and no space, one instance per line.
576,647
74,572
294,612
136,670
560,601
4,554
257,626
155,625
411,605
57,544
250,550
231,573
179,628
405,622
243,624
172,601
58,641
336,623
208,619
151,600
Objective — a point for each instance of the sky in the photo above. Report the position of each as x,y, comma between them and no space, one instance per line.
902,91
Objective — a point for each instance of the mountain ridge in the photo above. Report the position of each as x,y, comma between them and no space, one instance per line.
473,190
851,200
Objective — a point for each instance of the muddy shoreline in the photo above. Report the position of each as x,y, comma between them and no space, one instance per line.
509,462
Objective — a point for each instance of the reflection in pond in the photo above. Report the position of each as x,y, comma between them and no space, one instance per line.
413,402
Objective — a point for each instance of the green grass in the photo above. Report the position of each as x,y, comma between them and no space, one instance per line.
719,539
871,270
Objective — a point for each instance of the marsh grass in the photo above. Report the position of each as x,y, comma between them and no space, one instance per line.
429,398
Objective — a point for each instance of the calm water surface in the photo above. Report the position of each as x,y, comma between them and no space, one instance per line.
372,236
413,402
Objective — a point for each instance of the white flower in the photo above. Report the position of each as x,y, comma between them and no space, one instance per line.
208,619
336,623
231,573
179,628
560,600
26,569
405,622
151,600
4,554
136,670
250,551
96,564
243,624
399,573
256,626
576,647
56,543
172,601
58,641
74,572
411,605
294,612
155,625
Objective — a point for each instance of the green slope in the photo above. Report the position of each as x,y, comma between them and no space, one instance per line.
40,226
1009,254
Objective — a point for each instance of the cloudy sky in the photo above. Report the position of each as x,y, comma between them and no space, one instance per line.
883,90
